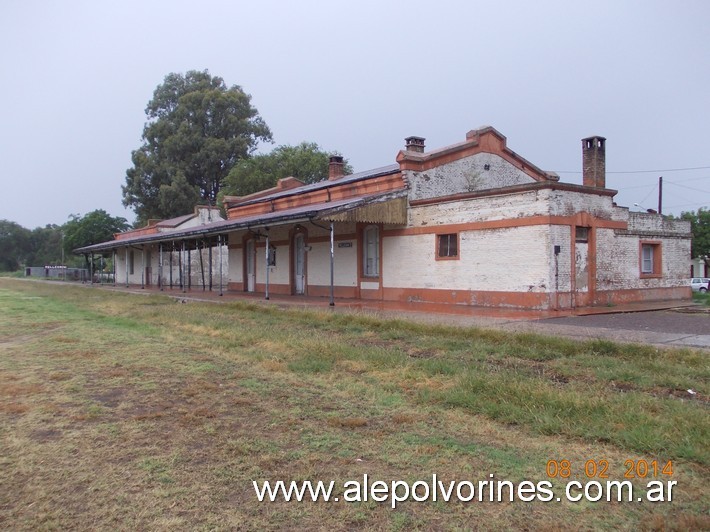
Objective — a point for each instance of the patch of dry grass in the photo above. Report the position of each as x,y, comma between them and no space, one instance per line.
161,415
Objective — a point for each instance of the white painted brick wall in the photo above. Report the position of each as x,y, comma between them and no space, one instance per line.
503,207
566,203
560,235
508,260
152,260
345,261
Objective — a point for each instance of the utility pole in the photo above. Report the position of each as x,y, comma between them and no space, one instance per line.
660,195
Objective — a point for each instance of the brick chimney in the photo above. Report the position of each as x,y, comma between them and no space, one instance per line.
594,162
415,144
335,167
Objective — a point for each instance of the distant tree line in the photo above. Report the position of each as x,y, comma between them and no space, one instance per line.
53,244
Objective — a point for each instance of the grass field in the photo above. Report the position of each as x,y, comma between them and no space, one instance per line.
137,412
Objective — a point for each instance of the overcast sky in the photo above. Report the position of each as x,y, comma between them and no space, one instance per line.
358,76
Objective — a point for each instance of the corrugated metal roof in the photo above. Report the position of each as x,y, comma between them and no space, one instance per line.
304,213
174,222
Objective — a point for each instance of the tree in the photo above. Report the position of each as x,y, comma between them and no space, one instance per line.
14,245
96,226
700,228
306,162
198,129
45,246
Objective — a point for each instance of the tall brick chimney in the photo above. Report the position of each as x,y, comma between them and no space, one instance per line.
415,144
335,167
594,162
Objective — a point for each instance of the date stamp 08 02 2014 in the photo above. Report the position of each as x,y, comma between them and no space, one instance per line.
600,469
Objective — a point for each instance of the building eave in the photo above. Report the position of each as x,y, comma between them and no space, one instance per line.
516,189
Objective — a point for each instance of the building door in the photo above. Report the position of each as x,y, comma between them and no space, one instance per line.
148,269
299,266
581,261
251,265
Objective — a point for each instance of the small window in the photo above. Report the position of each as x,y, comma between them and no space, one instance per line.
131,261
447,246
581,234
650,259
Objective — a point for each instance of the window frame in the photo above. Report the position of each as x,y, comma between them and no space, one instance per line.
366,251
437,244
656,257
581,234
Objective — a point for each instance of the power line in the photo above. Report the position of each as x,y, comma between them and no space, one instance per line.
689,188
671,182
641,171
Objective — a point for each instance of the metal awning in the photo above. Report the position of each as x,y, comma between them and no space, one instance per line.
384,207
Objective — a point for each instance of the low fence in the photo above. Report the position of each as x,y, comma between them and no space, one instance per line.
62,273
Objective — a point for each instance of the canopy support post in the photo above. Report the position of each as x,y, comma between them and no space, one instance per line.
332,265
219,241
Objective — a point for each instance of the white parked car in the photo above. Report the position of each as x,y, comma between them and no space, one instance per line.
699,284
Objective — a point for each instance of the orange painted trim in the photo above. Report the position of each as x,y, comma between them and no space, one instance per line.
504,224
592,262
479,298
368,293
632,295
274,288
150,230
486,140
342,292
494,299
458,247
338,191
468,149
657,259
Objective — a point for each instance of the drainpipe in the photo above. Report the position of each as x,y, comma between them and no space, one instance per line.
91,269
114,266
143,267
126,266
266,296
170,262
